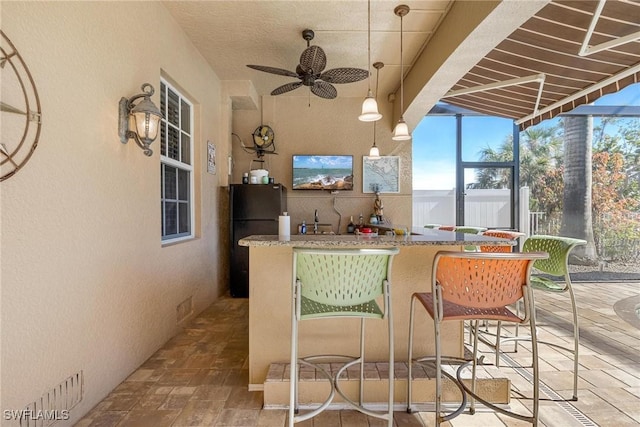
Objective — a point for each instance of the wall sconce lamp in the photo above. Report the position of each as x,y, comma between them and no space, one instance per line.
145,116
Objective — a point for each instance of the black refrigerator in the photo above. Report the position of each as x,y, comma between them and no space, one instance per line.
254,209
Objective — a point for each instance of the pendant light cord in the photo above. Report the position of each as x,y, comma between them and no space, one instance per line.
369,42
401,70
376,98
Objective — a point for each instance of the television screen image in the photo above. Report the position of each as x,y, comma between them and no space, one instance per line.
322,172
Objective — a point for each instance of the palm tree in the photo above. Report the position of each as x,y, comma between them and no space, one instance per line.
577,201
540,149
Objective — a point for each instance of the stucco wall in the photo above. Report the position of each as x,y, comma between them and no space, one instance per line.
86,282
324,127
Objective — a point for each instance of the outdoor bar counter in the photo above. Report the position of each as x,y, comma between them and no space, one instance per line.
270,276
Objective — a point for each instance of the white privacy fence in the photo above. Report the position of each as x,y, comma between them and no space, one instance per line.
487,208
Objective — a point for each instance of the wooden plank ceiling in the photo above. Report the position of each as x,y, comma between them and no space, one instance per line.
546,67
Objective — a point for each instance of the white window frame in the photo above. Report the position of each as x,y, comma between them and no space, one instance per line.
165,160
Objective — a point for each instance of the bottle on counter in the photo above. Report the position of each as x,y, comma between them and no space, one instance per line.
245,178
303,227
351,227
361,221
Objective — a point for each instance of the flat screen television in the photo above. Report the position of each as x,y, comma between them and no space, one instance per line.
314,172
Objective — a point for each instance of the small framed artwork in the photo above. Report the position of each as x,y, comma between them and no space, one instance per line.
211,158
381,175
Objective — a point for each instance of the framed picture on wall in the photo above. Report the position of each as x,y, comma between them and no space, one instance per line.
381,175
211,158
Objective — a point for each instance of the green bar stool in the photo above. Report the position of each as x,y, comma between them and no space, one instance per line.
469,230
339,283
557,265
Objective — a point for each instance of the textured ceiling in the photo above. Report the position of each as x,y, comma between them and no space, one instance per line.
232,34
447,44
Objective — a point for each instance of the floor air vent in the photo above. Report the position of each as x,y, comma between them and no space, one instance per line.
55,405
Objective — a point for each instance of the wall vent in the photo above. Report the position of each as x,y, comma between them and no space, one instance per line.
184,309
55,405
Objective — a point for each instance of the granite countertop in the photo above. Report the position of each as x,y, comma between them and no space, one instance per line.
416,238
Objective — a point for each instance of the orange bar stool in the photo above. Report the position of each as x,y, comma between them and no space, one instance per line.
514,236
475,286
447,227
503,234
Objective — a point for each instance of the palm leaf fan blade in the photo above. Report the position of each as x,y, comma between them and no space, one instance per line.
286,88
344,75
324,90
313,59
273,70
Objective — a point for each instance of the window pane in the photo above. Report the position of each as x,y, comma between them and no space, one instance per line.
487,139
434,156
170,183
173,143
487,178
183,185
487,197
186,117
176,207
186,149
170,218
183,217
163,138
162,218
173,112
163,99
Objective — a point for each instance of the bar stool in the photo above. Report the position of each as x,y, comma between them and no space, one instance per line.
557,265
447,227
475,286
469,230
339,283
503,234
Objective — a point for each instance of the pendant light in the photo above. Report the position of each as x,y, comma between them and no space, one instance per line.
374,152
401,132
370,105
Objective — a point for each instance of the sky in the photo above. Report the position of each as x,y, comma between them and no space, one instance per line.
317,162
434,138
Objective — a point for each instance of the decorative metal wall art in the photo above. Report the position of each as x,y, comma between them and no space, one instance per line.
20,108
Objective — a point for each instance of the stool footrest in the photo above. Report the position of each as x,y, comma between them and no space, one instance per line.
334,377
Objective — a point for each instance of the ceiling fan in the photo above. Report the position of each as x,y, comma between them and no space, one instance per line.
310,72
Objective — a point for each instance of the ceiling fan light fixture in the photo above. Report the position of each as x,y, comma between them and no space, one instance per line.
370,109
401,131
